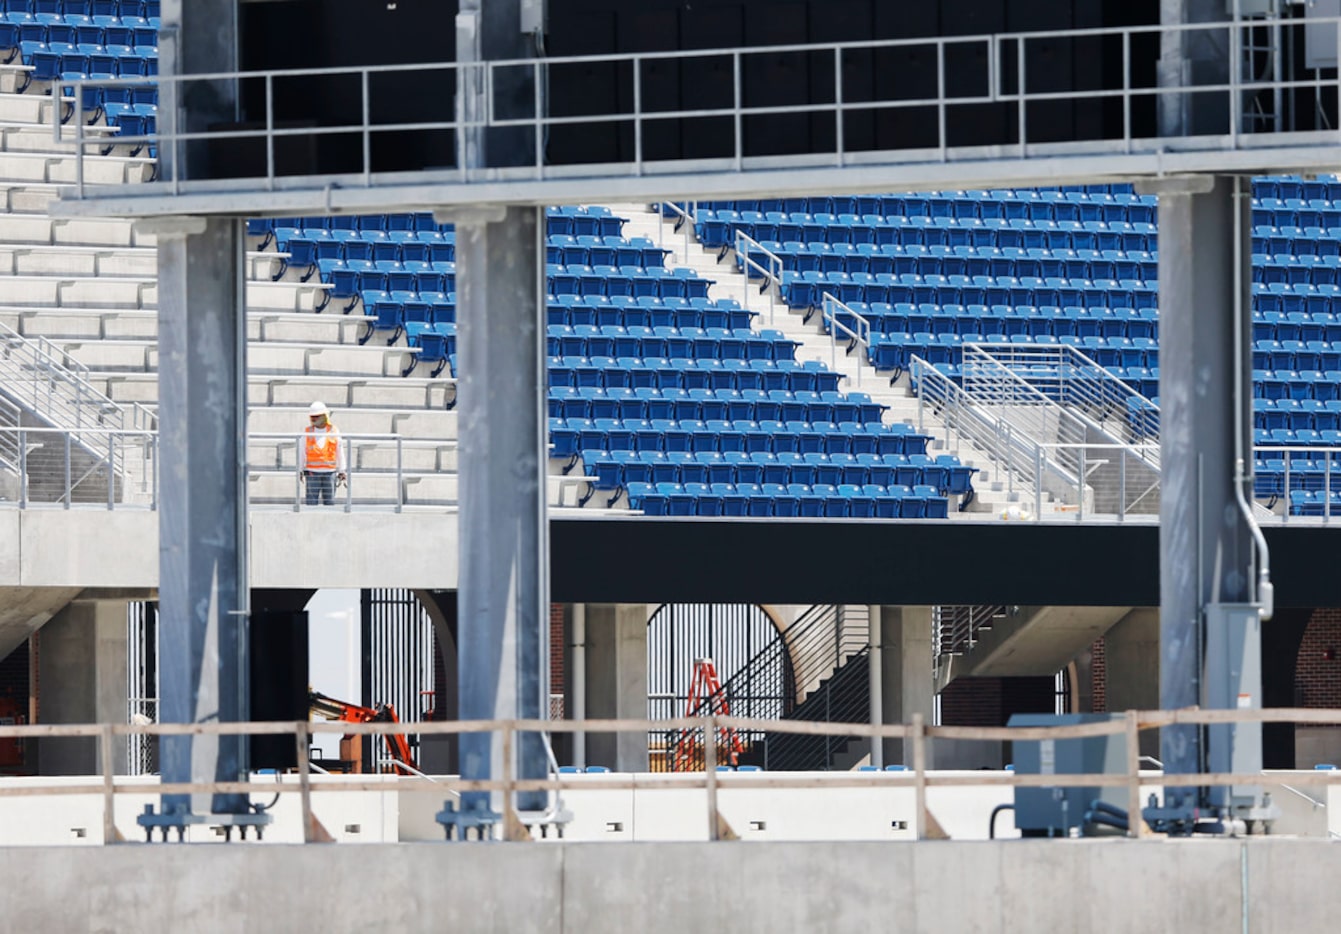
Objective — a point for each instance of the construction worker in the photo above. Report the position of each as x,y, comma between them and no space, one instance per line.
321,456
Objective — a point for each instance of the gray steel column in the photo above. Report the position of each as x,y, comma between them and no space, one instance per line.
202,424
1206,548
1189,58
202,505
504,571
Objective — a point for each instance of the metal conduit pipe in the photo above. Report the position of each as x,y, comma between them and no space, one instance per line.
1265,595
991,821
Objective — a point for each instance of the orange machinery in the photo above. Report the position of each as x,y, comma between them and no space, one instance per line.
351,746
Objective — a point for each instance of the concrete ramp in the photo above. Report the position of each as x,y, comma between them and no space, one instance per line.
1034,641
23,611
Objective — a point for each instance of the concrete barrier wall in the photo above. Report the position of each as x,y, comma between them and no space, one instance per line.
1267,886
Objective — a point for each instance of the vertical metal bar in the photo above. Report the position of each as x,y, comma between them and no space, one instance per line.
710,774
349,475
153,492
1288,490
1038,482
270,130
638,115
838,102
736,89
1235,70
1126,89
918,734
941,132
69,493
79,133
111,470
1019,90
106,752
23,469
300,738
298,474
365,107
1135,825
539,105
1122,486
400,473
1080,500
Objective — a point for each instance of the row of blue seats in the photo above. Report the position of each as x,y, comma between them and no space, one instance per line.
70,63
795,500
683,343
635,281
895,351
1296,241
710,405
1319,503
1072,321
1142,380
609,463
620,373
1296,355
1295,437
776,437
948,231
564,249
897,258
595,220
147,9
1275,475
1296,326
1020,205
1296,414
629,373
807,289
648,311
890,203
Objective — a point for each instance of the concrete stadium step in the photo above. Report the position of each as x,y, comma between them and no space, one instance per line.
98,170
30,137
36,227
394,393
27,197
85,292
142,324
28,108
47,260
437,425
327,359
104,356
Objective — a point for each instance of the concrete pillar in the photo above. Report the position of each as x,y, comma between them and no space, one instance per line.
1131,668
82,678
616,682
908,683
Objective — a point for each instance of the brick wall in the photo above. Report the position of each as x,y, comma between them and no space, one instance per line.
556,647
1098,677
1318,678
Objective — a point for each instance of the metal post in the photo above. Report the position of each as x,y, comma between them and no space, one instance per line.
578,664
875,672
710,774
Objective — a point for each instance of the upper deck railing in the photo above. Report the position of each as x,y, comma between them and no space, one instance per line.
987,70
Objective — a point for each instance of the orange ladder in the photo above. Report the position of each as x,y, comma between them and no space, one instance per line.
706,697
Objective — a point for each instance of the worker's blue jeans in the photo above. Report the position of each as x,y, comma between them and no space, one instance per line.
320,487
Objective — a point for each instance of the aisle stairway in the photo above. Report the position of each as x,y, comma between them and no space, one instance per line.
993,491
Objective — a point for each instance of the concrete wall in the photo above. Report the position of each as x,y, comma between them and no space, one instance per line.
1266,886
89,548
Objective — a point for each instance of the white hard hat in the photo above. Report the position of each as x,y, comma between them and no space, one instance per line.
317,408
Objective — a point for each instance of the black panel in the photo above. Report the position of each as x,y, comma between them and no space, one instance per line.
899,563
279,680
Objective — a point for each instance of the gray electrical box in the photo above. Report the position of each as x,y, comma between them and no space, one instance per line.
1233,681
1320,38
1054,812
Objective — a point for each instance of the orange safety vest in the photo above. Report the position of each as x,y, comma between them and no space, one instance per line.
322,447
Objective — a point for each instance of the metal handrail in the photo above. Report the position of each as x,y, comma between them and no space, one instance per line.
1001,84
770,271
687,220
859,339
